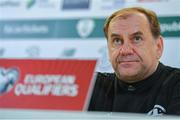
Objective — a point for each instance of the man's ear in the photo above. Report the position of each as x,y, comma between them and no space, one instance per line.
160,46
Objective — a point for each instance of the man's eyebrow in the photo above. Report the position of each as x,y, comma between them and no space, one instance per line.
133,34
114,35
136,33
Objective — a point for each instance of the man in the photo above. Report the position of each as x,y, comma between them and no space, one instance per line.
140,84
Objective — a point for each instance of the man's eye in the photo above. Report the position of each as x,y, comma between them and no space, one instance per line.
117,41
137,39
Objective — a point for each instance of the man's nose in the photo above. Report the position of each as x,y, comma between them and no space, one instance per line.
126,49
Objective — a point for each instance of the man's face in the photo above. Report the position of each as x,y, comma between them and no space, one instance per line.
133,51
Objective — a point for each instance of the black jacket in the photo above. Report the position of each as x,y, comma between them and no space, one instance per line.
158,94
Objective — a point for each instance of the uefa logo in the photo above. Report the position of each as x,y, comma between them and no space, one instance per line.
8,78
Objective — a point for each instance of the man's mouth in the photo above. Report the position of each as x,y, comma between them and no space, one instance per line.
127,64
128,61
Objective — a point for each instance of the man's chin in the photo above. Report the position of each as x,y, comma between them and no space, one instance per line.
127,73
129,78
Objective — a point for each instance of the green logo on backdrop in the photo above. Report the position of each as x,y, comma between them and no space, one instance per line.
30,3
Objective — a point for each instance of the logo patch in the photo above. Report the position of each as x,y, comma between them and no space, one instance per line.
8,78
157,110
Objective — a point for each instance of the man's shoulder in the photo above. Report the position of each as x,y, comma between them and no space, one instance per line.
105,78
104,81
172,72
170,76
170,89
103,86
106,75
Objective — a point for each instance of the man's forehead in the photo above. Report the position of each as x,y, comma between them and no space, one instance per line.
132,23
135,17
129,14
